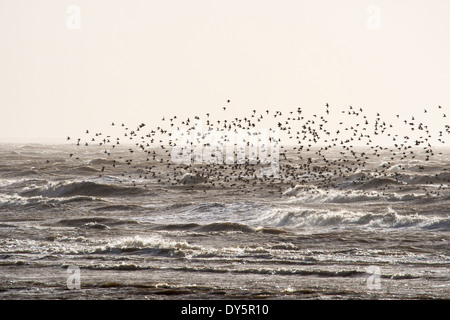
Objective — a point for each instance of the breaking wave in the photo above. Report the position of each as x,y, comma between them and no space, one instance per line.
310,218
154,245
313,195
79,188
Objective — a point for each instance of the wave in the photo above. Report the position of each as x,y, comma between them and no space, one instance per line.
310,218
322,273
39,202
206,207
438,178
360,182
225,227
374,183
79,188
12,185
154,245
86,169
20,173
119,207
314,195
191,206
94,222
218,227
258,271
177,227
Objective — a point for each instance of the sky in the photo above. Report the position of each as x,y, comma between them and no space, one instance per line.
70,65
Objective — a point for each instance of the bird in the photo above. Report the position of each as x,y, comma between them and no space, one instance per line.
309,136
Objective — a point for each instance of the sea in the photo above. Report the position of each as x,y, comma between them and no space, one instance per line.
80,222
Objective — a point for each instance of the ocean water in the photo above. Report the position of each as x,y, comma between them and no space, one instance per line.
96,226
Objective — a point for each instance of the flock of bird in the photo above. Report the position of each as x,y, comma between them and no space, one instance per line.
312,151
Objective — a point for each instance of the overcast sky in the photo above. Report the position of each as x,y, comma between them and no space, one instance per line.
63,70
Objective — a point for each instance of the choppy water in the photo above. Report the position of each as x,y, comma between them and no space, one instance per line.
138,235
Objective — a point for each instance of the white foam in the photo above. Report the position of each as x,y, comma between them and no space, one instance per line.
314,218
